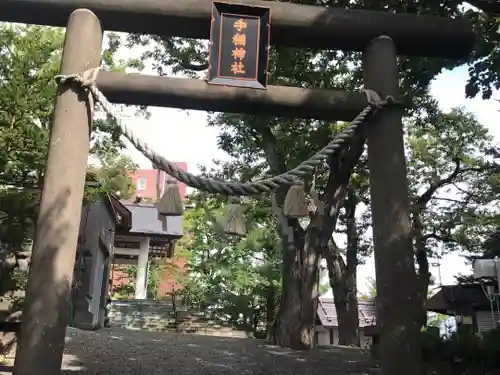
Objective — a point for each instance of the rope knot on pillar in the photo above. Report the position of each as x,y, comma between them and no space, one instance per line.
85,81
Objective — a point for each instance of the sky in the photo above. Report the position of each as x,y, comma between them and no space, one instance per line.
181,135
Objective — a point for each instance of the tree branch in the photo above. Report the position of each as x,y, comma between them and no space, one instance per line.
351,230
269,145
318,206
276,160
447,200
285,230
196,67
335,263
469,194
341,168
422,201
439,237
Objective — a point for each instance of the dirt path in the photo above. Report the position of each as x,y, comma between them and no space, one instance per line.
122,352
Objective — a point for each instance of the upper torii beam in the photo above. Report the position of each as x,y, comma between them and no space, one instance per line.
293,25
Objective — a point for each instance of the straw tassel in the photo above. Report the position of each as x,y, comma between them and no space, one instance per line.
295,205
235,220
170,203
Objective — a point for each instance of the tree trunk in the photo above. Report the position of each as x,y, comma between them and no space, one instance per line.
424,276
346,304
270,307
348,315
342,275
345,298
294,324
419,240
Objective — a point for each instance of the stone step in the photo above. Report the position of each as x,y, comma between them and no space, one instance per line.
160,316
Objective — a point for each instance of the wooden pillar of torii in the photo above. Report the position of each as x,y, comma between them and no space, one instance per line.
45,309
378,34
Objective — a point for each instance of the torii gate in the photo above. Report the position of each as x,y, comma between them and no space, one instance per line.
378,34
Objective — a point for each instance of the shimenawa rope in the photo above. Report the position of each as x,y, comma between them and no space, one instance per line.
87,81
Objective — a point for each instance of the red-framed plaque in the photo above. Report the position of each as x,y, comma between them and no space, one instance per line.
239,45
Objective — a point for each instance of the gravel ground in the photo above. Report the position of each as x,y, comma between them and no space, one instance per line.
122,352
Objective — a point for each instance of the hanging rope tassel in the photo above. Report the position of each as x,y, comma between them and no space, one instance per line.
235,220
295,205
170,203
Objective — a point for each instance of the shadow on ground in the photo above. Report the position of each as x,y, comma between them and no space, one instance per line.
121,352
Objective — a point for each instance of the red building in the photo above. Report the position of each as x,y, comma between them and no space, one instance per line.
145,181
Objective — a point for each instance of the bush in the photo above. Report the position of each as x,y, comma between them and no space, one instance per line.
463,353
